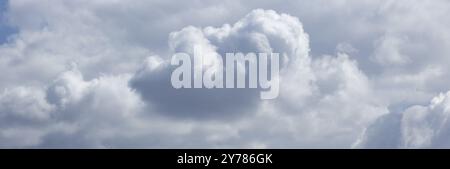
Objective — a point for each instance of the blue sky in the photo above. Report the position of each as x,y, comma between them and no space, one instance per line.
5,28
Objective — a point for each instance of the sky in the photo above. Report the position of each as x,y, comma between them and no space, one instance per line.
5,28
96,74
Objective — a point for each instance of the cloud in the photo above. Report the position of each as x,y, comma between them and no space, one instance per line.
314,91
69,108
22,105
96,74
259,31
417,127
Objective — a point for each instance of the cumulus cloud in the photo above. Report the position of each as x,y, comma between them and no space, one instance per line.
258,32
311,90
68,108
97,74
417,127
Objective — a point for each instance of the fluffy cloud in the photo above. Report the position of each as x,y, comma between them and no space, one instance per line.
312,90
259,31
417,127
97,74
69,108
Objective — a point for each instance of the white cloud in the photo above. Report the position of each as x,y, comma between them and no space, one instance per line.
390,55
417,127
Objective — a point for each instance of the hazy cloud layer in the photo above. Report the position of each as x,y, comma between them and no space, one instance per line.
97,74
